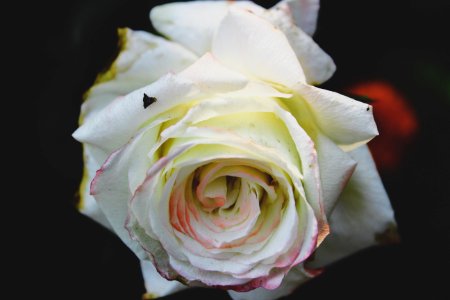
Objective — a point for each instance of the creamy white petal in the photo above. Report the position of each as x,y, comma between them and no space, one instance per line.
264,129
362,212
317,65
87,205
347,122
213,76
310,170
292,280
336,168
150,207
155,285
256,89
111,185
115,124
143,59
110,189
253,46
210,278
282,236
192,24
303,12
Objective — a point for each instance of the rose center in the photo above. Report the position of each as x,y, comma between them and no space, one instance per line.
225,204
218,187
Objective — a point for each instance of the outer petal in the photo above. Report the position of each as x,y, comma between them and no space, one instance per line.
254,47
111,185
345,121
336,168
362,212
213,77
156,285
304,13
193,24
292,280
317,65
143,59
112,197
110,189
116,124
87,204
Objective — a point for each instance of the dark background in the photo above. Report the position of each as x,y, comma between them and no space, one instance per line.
402,42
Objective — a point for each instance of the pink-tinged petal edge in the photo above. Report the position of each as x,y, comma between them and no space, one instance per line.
99,172
159,165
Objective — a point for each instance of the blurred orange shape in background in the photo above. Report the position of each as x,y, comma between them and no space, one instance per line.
396,121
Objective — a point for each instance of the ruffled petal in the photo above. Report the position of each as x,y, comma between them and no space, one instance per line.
291,281
155,285
143,59
111,185
347,122
87,204
192,24
211,76
361,214
317,65
303,12
110,189
116,124
253,46
336,168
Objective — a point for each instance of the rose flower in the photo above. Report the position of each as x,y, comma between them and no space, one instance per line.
215,159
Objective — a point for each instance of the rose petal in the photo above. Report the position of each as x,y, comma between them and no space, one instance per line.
213,76
213,113
110,186
155,285
110,189
193,24
317,65
115,124
310,170
345,121
362,212
281,237
148,219
213,152
303,12
143,59
211,278
292,280
87,204
253,46
336,168
260,128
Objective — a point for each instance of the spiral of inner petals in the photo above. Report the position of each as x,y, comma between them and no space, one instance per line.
224,205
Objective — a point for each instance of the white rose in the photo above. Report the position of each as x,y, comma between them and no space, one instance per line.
217,162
